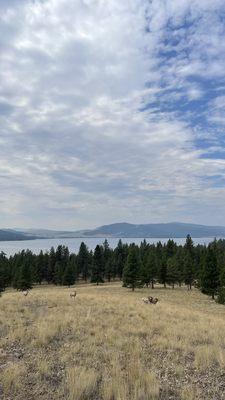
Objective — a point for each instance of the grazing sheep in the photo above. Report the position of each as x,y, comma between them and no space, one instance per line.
150,299
145,300
73,294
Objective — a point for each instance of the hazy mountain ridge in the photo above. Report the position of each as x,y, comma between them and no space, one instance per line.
161,230
10,234
122,229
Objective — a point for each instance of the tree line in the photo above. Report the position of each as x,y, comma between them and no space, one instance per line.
136,266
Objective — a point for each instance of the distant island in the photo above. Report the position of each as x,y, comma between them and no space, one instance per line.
120,230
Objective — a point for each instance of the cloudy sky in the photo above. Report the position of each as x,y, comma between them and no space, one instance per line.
111,111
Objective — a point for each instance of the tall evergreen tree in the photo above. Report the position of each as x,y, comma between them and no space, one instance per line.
4,272
120,258
50,268
24,281
149,268
69,275
189,270
110,268
58,273
210,280
132,274
98,266
23,268
106,251
39,266
83,262
172,271
144,251
189,245
162,269
179,262
170,248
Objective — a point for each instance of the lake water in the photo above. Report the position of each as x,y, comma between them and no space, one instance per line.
12,247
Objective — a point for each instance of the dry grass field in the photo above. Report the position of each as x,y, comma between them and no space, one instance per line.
107,344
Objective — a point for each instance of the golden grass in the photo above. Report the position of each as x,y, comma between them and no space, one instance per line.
12,378
80,383
109,345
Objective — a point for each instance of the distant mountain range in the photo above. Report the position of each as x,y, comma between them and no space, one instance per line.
10,234
120,230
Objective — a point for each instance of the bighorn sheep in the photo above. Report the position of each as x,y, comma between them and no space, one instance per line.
150,300
73,294
25,292
145,300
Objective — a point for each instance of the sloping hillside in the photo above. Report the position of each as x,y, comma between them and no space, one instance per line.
8,234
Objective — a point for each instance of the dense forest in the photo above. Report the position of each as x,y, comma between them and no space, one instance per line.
136,266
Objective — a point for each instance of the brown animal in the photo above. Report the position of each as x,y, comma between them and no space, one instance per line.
150,300
73,294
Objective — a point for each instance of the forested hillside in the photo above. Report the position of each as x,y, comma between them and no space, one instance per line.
136,266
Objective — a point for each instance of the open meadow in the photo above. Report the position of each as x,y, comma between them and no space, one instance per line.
107,344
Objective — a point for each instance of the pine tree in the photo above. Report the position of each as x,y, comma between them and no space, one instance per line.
2,279
58,273
144,251
62,260
65,256
23,269
24,281
4,272
110,268
149,269
170,248
69,275
39,265
189,262
50,270
16,275
162,269
189,245
98,266
172,271
189,270
179,262
120,258
83,261
210,280
132,274
106,251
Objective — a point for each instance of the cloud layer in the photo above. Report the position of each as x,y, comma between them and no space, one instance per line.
111,111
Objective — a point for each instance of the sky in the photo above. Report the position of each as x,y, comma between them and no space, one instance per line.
111,111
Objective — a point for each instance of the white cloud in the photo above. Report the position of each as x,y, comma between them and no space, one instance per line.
76,149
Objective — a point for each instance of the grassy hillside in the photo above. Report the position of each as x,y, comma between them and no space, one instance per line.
107,344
